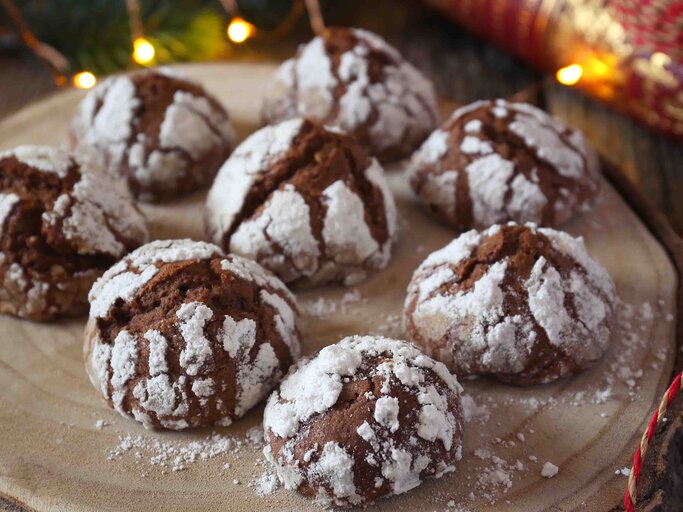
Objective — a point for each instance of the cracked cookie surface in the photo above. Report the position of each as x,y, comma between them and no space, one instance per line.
181,335
305,202
163,134
523,304
496,161
365,418
354,80
62,224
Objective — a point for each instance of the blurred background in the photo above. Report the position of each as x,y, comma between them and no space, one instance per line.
613,68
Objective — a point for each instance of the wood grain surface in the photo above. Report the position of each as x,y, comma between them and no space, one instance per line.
52,456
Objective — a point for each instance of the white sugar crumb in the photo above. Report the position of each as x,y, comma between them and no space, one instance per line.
471,411
255,435
322,307
549,470
100,424
265,484
623,471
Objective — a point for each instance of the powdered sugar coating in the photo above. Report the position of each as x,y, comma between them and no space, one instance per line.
516,163
82,213
354,80
128,276
163,133
230,354
301,233
238,174
560,302
7,202
43,158
411,428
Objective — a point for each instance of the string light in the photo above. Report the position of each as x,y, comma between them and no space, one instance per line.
240,30
143,51
84,80
569,75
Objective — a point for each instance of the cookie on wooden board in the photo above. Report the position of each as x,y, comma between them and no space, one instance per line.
62,224
181,335
523,304
162,133
497,161
305,202
365,418
352,79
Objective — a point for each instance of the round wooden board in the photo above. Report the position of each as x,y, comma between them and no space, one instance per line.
53,457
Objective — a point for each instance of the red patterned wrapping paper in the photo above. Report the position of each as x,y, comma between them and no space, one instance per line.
631,51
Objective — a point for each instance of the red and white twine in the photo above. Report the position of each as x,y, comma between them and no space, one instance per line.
667,399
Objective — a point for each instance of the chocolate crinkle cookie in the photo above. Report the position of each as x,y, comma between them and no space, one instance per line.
181,335
365,418
305,202
354,80
62,224
523,304
165,135
496,161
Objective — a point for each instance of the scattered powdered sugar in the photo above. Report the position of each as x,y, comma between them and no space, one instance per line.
155,454
471,411
265,484
616,380
495,476
321,306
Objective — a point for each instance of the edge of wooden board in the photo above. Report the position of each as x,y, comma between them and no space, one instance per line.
657,477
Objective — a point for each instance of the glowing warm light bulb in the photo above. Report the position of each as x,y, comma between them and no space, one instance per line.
143,51
84,80
569,75
240,30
